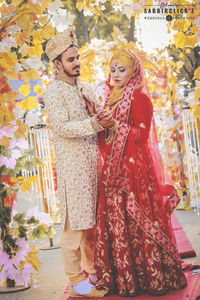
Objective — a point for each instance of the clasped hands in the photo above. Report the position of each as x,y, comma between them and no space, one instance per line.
105,120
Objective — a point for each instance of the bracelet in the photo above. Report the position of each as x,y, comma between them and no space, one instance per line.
116,125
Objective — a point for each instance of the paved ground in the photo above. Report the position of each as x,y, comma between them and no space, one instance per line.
53,281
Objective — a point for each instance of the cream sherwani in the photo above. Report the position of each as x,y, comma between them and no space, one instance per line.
77,162
77,154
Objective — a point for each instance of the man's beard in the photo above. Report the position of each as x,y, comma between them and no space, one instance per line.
72,75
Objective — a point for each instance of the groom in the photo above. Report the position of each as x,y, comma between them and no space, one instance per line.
77,160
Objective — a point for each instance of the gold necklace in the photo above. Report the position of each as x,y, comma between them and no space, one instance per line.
110,109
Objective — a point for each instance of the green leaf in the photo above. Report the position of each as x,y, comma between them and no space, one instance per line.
32,220
5,151
3,171
29,166
23,232
31,152
9,243
5,215
41,231
37,161
3,192
20,218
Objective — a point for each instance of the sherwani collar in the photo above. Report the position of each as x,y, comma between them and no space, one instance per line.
67,80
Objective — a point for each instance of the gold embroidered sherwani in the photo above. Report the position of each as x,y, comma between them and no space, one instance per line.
77,154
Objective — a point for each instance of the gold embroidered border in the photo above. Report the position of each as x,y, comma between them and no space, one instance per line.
121,134
154,232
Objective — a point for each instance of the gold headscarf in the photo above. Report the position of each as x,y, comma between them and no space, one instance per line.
128,60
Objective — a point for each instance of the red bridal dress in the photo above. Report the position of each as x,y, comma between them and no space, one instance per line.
135,247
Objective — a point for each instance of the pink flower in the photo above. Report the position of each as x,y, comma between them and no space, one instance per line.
10,163
2,276
15,154
7,131
19,278
7,262
22,252
26,273
12,144
21,143
21,242
42,217
4,258
24,277
10,271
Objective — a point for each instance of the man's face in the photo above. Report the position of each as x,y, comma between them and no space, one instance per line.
70,63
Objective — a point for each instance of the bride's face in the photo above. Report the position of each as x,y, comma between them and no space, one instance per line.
119,74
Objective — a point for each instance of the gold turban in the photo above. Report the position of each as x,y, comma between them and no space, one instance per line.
60,43
128,60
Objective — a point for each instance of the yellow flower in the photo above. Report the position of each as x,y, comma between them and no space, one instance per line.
5,141
25,89
197,73
20,132
38,89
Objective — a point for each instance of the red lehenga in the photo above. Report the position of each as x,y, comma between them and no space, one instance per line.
135,249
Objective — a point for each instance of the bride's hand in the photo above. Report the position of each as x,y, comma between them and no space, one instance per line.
101,112
107,121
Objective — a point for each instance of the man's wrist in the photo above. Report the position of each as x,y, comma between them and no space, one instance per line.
95,123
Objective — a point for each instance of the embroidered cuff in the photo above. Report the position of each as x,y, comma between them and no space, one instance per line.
95,124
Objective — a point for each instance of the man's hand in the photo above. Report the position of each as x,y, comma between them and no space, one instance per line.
90,106
104,119
107,122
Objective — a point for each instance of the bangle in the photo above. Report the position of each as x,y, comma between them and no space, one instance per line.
116,125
